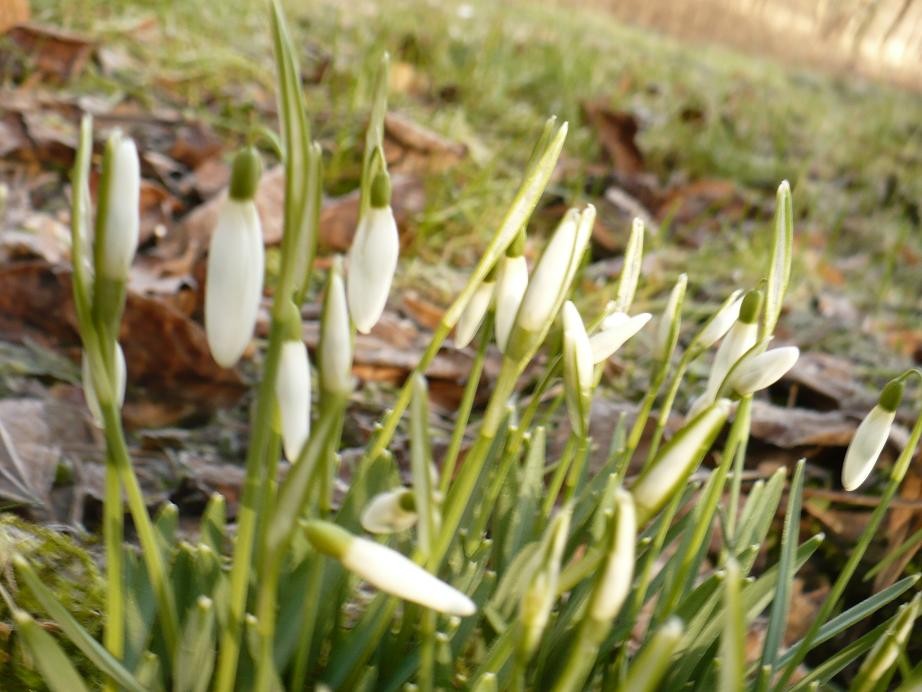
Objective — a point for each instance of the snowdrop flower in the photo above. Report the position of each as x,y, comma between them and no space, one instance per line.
741,337
757,371
676,461
668,331
335,336
117,239
387,569
577,368
89,389
235,265
373,258
390,512
511,283
293,392
539,596
616,329
474,312
871,436
721,322
615,582
633,263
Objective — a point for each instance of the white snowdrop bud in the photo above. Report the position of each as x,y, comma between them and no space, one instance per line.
89,388
336,336
722,321
373,258
668,331
757,371
577,368
615,582
387,569
617,328
511,284
235,266
871,436
293,392
633,262
390,512
539,596
119,203
474,312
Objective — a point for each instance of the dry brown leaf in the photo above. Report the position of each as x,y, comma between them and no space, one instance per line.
798,427
410,147
13,12
52,52
617,132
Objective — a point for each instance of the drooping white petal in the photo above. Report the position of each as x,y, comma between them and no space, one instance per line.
741,337
617,328
866,446
89,389
473,314
633,263
395,574
234,282
372,263
336,339
618,572
385,512
511,285
122,209
293,391
762,370
667,332
577,367
721,322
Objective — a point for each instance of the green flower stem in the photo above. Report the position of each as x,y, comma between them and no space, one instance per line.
488,504
528,415
150,548
687,357
450,460
503,648
582,655
114,637
576,469
426,676
744,415
267,497
644,412
247,514
560,473
896,477
308,617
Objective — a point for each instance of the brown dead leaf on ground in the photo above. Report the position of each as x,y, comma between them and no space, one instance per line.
617,132
825,382
799,427
13,12
410,147
903,522
51,52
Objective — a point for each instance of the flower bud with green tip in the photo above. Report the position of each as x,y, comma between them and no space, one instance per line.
335,336
871,436
511,284
117,229
742,336
616,329
633,263
235,265
577,369
618,571
89,388
373,258
387,569
390,512
293,387
668,331
475,310
756,371
652,663
721,322
677,460
540,594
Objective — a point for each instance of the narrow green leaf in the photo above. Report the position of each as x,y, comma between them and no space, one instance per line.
194,662
421,467
214,524
52,662
733,639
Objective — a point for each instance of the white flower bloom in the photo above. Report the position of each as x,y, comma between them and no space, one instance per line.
390,512
511,284
234,282
618,572
89,390
336,337
667,332
741,337
617,328
293,391
372,263
866,445
473,314
388,570
633,263
721,322
577,367
760,370
122,208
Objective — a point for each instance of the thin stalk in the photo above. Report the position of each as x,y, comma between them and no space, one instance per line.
450,460
150,548
308,617
114,637
267,497
744,412
687,357
488,504
644,413
426,676
560,473
582,655
877,516
576,470
528,415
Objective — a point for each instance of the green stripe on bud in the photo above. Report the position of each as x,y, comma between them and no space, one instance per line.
328,538
751,306
381,191
246,171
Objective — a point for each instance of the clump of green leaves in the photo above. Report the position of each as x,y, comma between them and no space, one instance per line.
507,570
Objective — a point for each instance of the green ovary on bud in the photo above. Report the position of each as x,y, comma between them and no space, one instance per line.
511,284
117,236
677,460
870,437
473,313
335,337
577,369
373,258
541,592
390,512
246,171
616,329
615,581
387,569
293,392
236,261
90,389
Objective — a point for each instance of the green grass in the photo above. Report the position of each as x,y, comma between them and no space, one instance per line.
490,75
